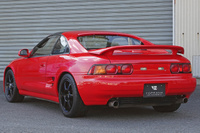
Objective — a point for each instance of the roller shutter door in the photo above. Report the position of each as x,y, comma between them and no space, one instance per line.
24,23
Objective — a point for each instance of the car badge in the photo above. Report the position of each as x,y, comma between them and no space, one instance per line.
160,68
143,68
154,88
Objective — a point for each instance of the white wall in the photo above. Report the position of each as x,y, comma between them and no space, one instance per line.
187,26
187,30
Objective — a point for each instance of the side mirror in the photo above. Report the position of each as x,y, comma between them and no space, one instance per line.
23,53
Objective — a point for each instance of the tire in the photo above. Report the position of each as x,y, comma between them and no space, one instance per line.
69,99
11,91
167,108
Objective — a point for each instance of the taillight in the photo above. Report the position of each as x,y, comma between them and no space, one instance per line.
180,68
174,68
111,69
95,70
126,69
186,68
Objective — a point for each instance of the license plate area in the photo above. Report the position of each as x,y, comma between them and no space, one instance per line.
154,90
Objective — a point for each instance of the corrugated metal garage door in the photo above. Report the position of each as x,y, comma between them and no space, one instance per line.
24,23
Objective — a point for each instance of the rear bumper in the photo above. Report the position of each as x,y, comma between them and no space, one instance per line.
99,89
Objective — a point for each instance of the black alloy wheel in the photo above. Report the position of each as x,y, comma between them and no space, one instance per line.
66,96
69,100
11,91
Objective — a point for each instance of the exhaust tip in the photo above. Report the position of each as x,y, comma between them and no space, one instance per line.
185,100
114,104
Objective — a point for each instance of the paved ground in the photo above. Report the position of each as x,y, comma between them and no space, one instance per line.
35,115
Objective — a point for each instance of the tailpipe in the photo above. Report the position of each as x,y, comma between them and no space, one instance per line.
185,100
114,104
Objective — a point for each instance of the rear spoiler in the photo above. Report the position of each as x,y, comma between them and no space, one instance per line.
175,49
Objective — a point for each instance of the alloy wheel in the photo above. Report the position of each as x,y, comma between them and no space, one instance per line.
66,96
9,89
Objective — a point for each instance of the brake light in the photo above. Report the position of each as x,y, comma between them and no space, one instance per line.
186,68
174,68
180,68
111,69
126,69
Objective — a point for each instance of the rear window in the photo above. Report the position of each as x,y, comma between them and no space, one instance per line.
103,41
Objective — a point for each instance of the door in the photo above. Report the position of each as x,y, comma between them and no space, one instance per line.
32,70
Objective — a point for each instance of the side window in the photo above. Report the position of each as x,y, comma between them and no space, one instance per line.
46,47
134,41
61,46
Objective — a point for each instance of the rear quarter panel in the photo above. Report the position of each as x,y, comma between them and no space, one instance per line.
77,64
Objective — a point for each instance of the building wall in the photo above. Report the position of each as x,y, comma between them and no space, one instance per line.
23,23
187,30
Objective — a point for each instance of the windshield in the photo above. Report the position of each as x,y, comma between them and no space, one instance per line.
103,41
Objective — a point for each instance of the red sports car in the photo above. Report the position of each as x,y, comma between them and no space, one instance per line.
82,68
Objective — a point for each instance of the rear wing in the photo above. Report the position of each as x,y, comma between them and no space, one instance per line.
110,50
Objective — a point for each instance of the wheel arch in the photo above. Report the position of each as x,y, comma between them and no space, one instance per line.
60,77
